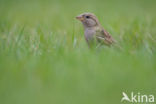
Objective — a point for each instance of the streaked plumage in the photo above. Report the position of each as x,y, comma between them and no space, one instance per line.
93,30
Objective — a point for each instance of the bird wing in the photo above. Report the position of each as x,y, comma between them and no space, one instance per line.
104,36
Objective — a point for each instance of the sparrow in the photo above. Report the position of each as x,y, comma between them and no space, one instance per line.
93,31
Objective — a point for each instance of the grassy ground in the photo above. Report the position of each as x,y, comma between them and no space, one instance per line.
44,58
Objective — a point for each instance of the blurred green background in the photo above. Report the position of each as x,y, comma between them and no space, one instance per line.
44,58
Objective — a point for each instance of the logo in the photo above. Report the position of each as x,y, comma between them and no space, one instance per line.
137,98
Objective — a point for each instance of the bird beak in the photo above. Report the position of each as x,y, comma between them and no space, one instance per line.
80,18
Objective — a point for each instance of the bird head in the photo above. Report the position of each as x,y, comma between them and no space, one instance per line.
89,20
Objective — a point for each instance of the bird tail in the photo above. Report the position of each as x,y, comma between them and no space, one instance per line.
116,45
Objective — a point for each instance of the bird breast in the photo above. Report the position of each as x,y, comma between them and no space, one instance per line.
89,34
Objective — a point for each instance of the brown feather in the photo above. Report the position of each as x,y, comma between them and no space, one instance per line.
103,36
93,30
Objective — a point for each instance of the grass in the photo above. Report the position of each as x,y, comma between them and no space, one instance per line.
44,58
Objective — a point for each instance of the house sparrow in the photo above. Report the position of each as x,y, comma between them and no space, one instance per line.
94,32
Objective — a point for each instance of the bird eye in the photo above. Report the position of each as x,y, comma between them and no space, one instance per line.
87,16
